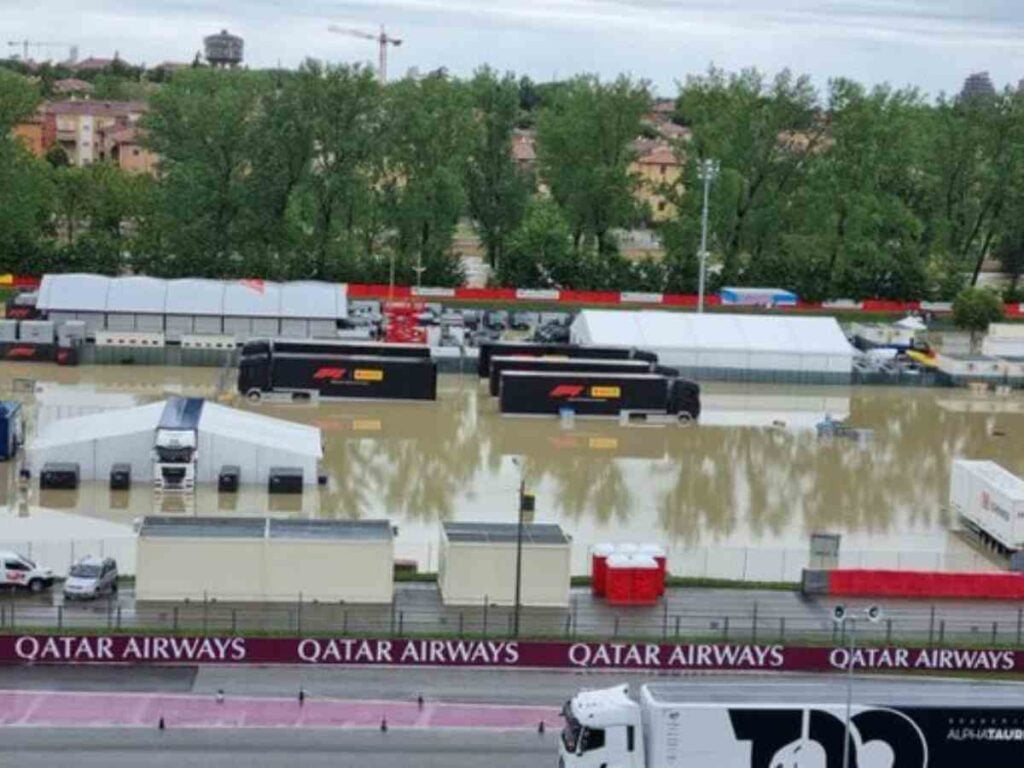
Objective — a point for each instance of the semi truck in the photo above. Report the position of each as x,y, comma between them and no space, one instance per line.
598,394
302,375
555,365
259,347
489,349
176,445
990,502
774,725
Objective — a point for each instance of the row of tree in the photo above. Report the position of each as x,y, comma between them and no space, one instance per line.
324,173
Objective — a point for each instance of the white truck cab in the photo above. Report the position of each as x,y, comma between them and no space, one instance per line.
17,571
174,459
603,729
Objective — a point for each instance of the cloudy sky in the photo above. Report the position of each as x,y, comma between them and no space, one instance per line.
931,44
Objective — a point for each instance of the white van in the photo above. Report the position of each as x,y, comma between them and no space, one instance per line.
18,571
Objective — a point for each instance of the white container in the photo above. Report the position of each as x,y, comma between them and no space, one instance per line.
990,499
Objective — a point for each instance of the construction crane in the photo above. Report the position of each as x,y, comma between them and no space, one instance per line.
383,41
26,44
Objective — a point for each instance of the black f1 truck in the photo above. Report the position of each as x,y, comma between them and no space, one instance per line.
361,376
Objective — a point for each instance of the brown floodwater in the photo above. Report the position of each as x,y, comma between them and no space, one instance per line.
736,496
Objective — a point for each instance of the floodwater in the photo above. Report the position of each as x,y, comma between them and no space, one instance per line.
736,496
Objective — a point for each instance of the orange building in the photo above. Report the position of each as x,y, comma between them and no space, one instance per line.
124,147
655,166
38,133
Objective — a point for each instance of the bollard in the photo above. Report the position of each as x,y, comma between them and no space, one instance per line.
160,724
942,631
302,697
220,695
383,725
419,701
995,631
540,727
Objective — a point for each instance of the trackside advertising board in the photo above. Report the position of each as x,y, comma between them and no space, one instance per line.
146,649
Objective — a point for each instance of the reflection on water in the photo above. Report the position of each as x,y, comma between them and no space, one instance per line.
753,477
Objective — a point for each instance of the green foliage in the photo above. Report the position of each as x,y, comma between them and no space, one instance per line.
497,191
584,135
539,253
18,99
975,308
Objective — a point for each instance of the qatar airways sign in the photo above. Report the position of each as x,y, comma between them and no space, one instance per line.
139,649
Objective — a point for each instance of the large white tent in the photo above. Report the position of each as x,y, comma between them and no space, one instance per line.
727,346
227,436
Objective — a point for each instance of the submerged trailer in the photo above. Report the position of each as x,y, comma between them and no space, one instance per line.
556,365
491,349
597,394
990,502
305,376
780,725
259,347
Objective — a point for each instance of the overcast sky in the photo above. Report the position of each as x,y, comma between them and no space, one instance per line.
931,44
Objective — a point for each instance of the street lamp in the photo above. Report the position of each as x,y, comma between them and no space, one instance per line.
706,171
526,504
841,617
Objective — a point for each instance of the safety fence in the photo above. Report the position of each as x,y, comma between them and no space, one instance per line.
630,298
710,616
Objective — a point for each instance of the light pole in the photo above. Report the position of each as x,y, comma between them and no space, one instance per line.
706,171
841,617
526,503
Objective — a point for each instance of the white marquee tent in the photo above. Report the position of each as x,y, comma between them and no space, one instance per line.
727,346
226,437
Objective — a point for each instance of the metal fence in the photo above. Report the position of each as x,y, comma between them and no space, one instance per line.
683,615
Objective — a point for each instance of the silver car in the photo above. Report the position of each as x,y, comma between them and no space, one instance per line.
91,577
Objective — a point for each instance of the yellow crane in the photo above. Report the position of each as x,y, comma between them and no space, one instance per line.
383,41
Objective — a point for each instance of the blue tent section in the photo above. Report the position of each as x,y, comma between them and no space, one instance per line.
181,413
760,297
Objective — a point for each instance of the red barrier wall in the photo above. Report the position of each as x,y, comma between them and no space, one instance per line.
929,584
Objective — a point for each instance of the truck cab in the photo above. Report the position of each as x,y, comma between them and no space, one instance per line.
603,729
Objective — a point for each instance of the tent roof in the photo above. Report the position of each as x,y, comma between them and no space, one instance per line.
129,421
75,292
194,296
136,294
660,330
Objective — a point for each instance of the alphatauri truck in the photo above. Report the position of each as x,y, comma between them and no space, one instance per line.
771,726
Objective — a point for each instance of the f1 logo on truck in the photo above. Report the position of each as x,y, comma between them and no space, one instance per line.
813,738
566,390
329,374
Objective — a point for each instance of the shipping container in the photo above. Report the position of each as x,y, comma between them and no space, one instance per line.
334,376
776,724
990,501
490,349
553,365
585,394
335,348
28,351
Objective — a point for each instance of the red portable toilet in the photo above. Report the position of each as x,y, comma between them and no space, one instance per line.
658,553
599,567
619,579
647,580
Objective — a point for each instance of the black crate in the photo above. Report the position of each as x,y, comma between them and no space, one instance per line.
120,477
59,476
229,478
285,480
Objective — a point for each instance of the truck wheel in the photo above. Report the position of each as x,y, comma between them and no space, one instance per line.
685,419
254,396
36,585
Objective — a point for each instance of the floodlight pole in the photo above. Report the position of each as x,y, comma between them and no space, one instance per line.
707,171
849,691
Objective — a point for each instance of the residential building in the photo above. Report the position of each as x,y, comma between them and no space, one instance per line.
72,86
656,166
524,150
124,147
82,126
93,64
38,133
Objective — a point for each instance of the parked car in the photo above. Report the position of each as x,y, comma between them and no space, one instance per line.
20,572
91,577
552,333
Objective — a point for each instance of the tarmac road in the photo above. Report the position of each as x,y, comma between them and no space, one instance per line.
45,748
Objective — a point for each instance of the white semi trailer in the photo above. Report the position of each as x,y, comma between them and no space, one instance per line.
676,725
990,502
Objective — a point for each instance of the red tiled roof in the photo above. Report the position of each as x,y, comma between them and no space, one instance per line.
72,84
127,135
654,152
92,63
523,149
95,108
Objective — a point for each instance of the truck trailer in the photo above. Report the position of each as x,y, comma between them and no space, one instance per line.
489,349
779,725
260,347
302,375
558,365
598,394
990,502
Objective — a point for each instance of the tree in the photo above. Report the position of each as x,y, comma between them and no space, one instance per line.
339,199
202,125
497,191
584,136
427,124
539,253
974,309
